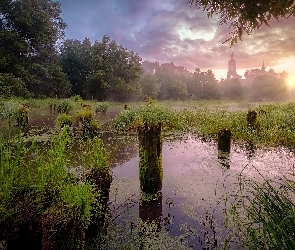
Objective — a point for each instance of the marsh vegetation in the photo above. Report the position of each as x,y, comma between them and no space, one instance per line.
151,176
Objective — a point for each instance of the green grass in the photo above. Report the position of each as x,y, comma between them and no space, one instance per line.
35,184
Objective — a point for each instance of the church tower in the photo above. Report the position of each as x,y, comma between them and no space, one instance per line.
231,72
263,67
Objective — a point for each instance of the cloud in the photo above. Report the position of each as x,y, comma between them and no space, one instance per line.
172,31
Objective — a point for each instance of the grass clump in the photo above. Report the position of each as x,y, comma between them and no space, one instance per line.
64,120
149,115
266,218
64,106
40,200
102,107
87,124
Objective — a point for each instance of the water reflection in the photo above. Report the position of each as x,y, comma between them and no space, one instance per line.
250,150
224,158
151,211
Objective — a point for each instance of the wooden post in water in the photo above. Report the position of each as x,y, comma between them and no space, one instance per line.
251,118
150,162
224,136
102,182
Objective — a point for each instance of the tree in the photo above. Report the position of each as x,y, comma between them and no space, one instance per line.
177,90
269,88
29,30
149,85
75,59
115,72
246,15
203,85
231,88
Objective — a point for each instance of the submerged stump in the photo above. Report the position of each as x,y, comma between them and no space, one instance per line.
224,136
102,182
150,154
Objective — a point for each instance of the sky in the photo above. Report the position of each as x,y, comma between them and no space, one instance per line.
172,31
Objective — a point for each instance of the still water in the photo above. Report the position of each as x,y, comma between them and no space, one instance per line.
198,183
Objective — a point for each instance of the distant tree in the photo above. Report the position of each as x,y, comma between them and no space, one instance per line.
75,58
269,88
246,15
168,75
177,90
231,88
149,85
115,72
203,85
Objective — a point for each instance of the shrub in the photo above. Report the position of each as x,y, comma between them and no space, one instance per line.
86,122
64,120
102,107
64,107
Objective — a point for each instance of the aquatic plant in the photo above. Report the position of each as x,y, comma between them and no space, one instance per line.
264,219
63,120
64,106
96,160
102,107
87,123
22,116
40,199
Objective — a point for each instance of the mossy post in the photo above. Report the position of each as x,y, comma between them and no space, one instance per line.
251,118
150,154
149,121
100,177
224,136
23,117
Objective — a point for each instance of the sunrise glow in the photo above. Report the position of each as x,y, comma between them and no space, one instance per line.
291,81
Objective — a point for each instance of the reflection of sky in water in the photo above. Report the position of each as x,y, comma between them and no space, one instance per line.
195,182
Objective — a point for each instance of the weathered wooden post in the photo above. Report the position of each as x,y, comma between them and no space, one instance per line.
149,121
224,136
251,118
150,154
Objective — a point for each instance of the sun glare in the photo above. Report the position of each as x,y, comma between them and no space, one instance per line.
291,81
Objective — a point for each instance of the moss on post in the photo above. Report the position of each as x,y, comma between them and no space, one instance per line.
150,163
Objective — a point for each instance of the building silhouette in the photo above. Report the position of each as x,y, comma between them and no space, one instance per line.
232,68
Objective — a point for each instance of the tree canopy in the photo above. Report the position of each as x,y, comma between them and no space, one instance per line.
246,15
29,30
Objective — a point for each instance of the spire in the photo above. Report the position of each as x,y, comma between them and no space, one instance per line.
232,55
263,67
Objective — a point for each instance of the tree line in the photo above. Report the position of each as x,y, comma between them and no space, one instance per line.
34,64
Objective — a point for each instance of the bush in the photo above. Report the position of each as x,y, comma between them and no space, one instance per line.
102,107
64,107
64,120
86,122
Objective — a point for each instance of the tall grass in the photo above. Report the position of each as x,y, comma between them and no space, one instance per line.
36,186
265,218
274,125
